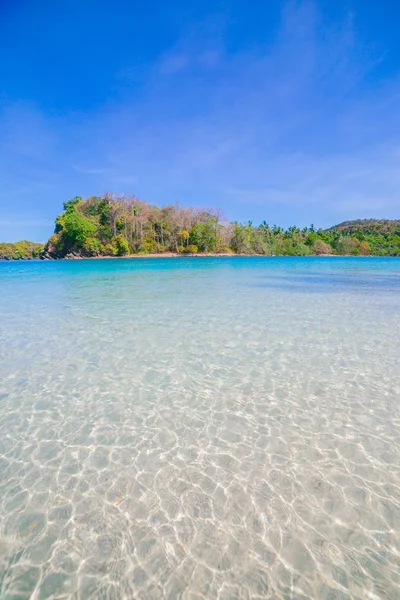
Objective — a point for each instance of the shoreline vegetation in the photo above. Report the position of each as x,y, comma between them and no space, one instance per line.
118,226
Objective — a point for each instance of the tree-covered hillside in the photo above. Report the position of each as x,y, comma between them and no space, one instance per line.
369,226
381,235
118,226
20,250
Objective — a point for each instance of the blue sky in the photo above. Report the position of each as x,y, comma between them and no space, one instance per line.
287,112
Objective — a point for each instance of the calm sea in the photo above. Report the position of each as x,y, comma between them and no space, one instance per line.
205,428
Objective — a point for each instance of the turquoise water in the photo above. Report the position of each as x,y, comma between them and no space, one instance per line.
200,429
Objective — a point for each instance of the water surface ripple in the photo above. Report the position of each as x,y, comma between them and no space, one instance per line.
200,429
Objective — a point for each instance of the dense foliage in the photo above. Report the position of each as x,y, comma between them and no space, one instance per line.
117,226
20,250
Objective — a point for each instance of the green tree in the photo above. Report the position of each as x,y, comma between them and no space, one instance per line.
71,205
203,235
121,245
75,229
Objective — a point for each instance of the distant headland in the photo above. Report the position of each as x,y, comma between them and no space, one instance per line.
116,226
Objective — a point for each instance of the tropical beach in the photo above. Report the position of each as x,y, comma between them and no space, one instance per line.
199,300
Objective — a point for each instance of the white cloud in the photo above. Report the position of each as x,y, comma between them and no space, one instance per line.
173,63
90,170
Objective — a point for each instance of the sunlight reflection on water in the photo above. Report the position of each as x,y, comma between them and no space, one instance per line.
200,428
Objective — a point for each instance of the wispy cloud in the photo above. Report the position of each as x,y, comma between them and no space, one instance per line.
173,63
18,222
108,174
176,62
90,170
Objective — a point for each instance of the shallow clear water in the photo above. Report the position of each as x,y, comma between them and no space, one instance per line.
200,428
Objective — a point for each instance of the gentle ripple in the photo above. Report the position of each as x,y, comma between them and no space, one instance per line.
200,429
